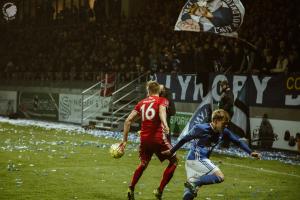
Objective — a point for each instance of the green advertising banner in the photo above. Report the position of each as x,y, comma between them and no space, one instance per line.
178,122
38,105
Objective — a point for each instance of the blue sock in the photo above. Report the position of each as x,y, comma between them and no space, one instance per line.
207,179
188,194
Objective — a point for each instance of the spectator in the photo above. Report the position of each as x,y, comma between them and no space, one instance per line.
237,58
266,134
281,64
227,98
247,62
104,44
293,62
268,61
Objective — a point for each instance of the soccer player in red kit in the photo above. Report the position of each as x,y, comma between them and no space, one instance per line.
152,111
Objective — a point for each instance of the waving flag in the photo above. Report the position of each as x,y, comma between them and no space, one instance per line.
222,17
240,118
108,84
202,115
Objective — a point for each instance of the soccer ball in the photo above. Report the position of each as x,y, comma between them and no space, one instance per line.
115,151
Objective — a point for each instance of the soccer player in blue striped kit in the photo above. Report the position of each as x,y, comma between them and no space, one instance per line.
200,170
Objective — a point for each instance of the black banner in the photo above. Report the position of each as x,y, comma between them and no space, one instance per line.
265,91
185,87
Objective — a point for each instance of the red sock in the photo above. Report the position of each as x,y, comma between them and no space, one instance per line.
137,174
168,174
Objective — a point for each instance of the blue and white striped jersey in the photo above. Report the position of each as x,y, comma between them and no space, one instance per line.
205,140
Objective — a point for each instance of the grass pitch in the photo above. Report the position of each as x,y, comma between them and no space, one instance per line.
41,164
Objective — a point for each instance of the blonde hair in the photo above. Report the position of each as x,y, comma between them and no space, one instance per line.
220,115
153,87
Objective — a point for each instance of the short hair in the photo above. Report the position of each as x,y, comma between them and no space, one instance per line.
220,115
153,87
163,92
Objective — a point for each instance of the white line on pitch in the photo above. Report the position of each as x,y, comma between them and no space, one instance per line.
261,169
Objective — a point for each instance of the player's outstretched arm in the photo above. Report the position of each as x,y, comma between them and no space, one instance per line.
130,119
163,118
193,134
235,139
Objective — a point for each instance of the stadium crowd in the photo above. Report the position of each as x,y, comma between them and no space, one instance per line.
79,43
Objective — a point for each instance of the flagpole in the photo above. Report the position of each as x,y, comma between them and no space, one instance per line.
248,43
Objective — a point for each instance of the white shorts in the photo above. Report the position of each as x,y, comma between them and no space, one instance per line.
197,168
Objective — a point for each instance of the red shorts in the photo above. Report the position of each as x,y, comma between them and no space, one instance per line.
148,147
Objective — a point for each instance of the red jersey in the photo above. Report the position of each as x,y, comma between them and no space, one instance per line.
148,109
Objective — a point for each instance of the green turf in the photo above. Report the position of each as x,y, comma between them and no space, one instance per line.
67,165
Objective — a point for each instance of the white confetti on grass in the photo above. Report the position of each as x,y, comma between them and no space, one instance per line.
71,128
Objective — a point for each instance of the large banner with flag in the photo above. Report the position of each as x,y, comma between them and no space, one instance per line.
281,133
240,119
261,93
222,17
